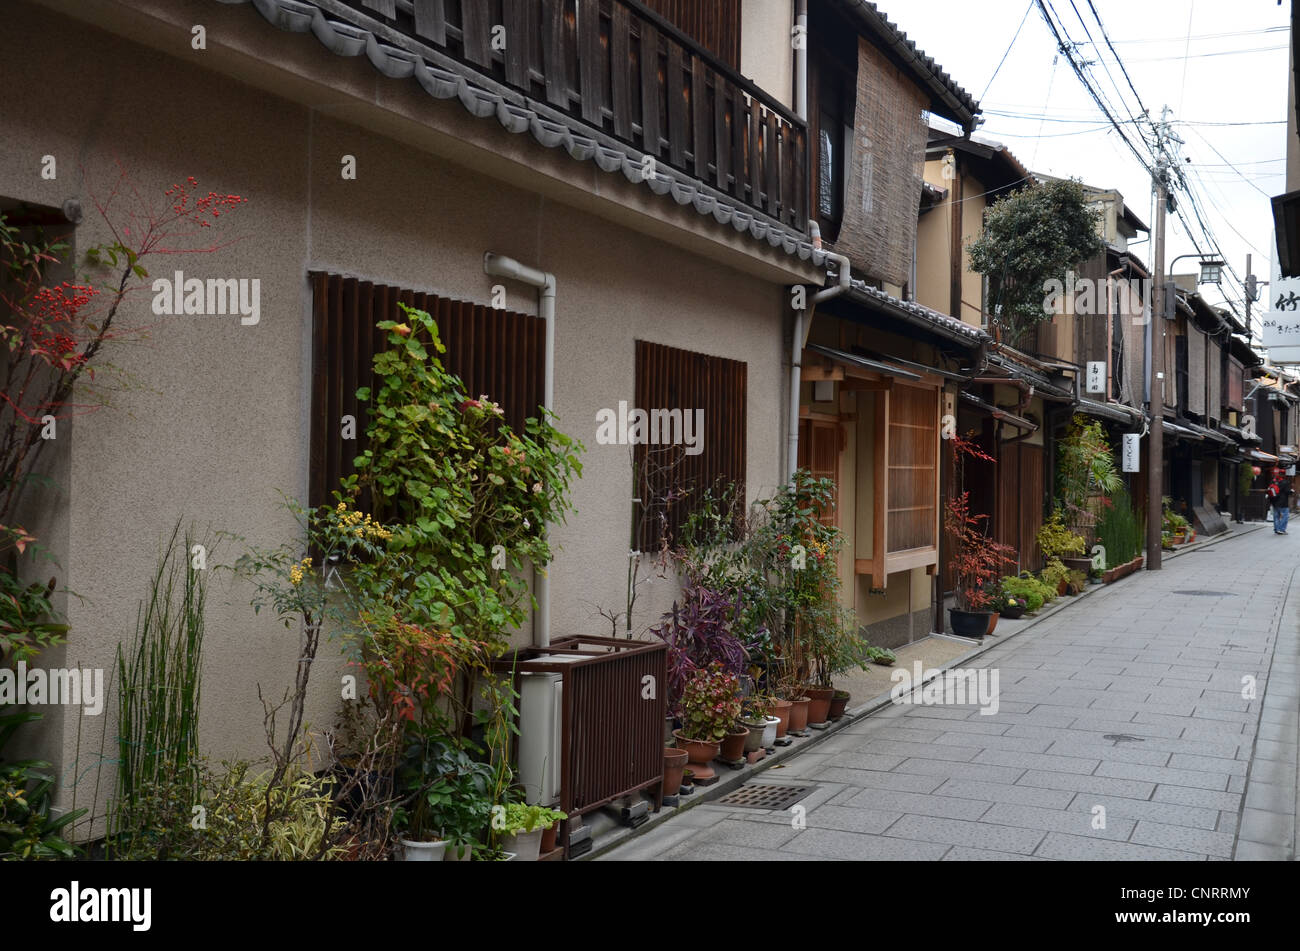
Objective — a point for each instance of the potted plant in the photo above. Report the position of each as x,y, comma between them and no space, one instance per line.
552,831
710,707
756,721
446,799
839,702
733,744
1055,576
674,764
522,827
976,561
1013,606
1058,541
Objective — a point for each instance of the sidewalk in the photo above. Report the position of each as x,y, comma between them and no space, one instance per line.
1122,734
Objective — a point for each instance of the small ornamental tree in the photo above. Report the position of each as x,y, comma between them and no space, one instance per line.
51,333
1033,237
977,560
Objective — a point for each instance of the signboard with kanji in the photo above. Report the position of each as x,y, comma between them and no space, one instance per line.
1281,321
1096,376
1129,458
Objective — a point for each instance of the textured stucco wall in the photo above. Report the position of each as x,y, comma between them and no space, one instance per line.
766,51
215,425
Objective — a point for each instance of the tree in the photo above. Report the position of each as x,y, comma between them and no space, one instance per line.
1030,238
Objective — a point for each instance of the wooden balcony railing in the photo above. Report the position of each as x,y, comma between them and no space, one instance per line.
623,70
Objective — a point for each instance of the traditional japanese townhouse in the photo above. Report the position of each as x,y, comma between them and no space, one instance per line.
878,368
1007,405
602,202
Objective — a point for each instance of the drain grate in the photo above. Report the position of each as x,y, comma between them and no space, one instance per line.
765,796
1209,594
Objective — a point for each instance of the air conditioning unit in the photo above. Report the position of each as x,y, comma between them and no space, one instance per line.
541,714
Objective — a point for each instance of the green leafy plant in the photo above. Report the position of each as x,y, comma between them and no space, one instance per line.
28,623
1174,523
27,830
446,792
710,704
1057,541
459,487
520,818
882,656
1031,238
1053,574
1085,465
1028,589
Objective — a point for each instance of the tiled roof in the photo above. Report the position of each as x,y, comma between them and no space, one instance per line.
347,39
948,326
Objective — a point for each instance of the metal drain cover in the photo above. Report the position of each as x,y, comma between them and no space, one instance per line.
1209,594
765,796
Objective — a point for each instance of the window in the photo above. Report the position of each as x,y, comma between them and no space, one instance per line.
497,353
903,491
913,448
694,440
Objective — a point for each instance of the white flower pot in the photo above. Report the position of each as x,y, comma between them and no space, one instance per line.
769,731
528,845
422,851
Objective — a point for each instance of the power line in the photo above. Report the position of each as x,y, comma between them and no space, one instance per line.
998,68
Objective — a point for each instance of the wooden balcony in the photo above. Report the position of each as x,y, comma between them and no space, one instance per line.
624,71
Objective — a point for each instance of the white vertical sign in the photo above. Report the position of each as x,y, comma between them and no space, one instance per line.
1281,320
1096,381
1132,442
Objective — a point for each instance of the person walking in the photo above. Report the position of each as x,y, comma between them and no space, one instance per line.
1279,497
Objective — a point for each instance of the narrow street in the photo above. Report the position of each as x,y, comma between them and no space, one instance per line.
1133,707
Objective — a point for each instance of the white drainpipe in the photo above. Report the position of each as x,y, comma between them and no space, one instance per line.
499,266
801,330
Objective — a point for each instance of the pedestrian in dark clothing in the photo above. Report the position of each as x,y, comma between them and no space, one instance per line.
1279,498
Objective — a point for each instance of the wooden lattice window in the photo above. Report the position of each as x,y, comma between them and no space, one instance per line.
670,481
497,353
913,469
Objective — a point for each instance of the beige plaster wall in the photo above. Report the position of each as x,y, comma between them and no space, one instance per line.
215,426
766,50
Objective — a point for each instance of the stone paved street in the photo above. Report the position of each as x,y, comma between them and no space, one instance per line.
1131,701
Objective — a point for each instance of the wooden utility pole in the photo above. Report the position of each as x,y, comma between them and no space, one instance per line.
1156,328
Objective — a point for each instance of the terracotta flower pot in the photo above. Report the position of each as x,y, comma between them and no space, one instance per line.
993,622
733,745
781,710
549,835
819,703
700,753
839,701
674,763
799,714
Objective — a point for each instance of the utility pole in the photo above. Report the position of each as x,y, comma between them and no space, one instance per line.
1156,328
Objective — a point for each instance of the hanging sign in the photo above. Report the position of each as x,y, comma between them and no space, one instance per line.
1281,320
1129,459
1096,379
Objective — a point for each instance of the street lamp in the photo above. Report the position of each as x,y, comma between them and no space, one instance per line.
1211,268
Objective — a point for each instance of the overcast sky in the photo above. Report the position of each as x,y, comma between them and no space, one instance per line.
1210,61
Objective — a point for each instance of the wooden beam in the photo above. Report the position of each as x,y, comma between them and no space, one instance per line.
815,373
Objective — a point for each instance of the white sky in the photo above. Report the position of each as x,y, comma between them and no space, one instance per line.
1246,84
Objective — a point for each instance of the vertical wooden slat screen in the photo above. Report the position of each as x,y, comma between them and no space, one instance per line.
913,463
497,353
668,378
714,24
